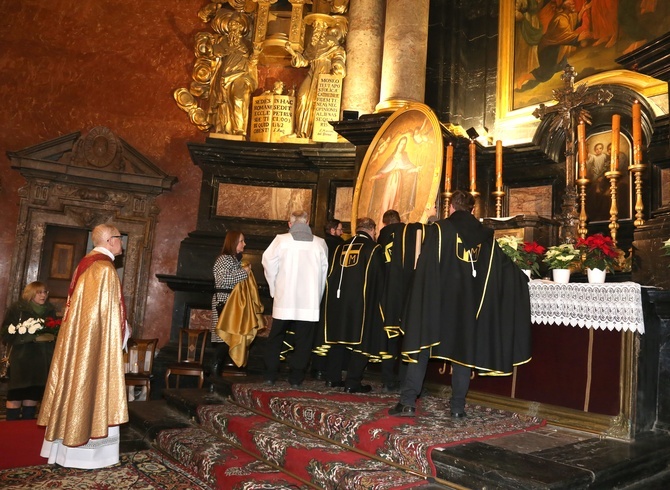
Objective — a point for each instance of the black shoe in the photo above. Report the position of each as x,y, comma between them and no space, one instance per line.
269,382
334,384
358,389
458,415
401,410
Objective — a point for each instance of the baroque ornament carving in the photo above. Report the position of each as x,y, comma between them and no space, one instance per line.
243,36
225,72
100,148
88,218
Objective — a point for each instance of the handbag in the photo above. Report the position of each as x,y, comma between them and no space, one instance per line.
4,364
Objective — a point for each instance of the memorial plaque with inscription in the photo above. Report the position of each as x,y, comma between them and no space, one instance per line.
328,96
271,117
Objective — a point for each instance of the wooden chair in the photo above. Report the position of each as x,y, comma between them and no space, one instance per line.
140,370
189,356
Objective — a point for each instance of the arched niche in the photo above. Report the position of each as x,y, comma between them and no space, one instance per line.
552,143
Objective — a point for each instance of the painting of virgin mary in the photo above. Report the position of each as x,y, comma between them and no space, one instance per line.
395,181
402,167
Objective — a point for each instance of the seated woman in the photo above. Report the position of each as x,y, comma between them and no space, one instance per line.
31,350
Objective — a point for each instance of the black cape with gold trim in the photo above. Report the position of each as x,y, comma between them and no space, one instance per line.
479,320
398,241
353,292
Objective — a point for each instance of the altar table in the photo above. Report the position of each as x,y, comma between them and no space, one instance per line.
585,355
612,306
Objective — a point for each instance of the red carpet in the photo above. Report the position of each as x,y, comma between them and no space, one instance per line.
362,421
345,440
20,444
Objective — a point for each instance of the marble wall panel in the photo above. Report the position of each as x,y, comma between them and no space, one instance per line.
261,202
535,200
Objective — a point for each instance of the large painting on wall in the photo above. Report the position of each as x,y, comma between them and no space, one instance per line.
402,167
544,35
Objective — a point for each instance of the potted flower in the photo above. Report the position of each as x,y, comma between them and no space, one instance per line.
666,247
597,253
559,259
526,255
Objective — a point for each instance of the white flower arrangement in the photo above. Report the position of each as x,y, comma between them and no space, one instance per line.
561,256
29,326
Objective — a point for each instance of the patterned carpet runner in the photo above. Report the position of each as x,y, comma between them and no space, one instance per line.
362,421
279,437
147,470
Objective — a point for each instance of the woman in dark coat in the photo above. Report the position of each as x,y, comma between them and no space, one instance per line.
32,347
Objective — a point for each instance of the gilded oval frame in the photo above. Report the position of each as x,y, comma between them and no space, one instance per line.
402,176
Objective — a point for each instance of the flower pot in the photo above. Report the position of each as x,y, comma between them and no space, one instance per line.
561,276
596,276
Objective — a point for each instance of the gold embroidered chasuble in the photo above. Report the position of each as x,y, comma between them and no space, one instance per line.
85,392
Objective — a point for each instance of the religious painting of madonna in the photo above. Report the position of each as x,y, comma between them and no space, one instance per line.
402,167
587,34
598,190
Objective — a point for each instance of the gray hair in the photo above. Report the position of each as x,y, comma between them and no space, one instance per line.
299,217
365,224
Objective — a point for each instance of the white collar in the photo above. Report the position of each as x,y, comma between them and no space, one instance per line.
104,251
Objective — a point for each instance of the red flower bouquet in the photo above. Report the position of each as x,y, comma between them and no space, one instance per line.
531,254
526,255
598,252
52,325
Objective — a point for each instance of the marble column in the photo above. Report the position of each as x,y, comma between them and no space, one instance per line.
364,54
405,52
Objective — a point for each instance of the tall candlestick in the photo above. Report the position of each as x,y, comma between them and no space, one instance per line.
614,153
473,166
637,133
499,163
581,146
448,167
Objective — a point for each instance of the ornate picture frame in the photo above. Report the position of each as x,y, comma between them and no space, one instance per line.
62,261
402,167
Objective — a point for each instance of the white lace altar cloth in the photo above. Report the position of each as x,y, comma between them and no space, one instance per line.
612,306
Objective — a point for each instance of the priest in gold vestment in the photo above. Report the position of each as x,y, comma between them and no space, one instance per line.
85,401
